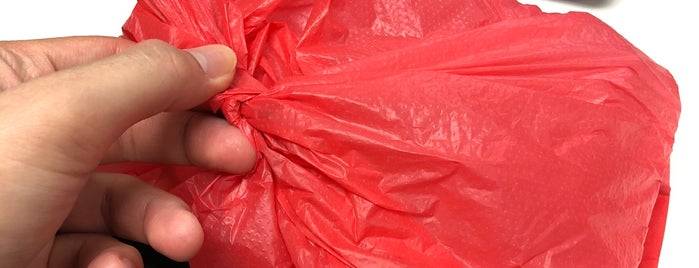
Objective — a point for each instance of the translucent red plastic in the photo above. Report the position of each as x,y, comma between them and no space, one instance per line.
425,133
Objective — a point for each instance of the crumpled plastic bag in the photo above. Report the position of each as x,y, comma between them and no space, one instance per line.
426,133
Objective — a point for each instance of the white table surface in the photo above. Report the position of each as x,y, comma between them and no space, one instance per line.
665,30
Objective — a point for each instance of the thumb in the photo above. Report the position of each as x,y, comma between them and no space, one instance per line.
81,111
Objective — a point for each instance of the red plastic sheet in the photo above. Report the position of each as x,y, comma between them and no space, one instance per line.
426,133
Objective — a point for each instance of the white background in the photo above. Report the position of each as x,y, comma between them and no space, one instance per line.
666,30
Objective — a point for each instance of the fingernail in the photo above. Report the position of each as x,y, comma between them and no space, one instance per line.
215,60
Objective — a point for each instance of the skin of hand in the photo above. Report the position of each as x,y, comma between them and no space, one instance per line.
68,105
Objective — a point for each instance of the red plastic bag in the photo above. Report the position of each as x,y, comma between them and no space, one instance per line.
442,133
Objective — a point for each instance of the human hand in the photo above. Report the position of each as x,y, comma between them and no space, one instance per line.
69,104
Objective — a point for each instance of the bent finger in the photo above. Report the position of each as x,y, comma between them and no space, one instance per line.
92,251
129,208
185,138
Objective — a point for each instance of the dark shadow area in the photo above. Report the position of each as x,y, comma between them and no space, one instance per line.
588,3
153,259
